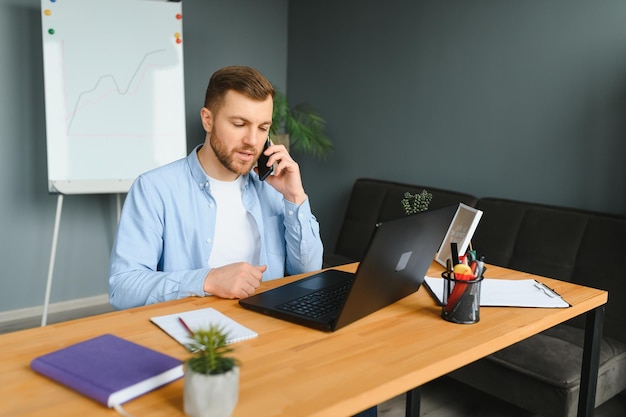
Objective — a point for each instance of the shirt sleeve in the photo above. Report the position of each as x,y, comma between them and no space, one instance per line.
302,237
135,278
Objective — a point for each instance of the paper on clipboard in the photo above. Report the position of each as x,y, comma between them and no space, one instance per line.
507,293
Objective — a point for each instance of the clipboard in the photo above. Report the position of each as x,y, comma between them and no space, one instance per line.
507,293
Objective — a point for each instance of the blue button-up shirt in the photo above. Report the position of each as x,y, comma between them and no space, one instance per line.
166,230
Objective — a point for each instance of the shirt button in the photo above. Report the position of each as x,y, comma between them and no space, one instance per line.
290,212
208,240
211,205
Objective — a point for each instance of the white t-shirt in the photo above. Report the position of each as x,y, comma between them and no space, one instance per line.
236,235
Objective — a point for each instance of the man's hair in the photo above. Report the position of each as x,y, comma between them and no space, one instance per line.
242,79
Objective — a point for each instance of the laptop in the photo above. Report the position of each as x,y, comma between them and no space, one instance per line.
395,262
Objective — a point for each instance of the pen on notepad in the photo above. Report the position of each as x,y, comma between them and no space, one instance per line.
180,319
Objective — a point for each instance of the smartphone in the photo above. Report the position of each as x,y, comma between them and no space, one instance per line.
264,170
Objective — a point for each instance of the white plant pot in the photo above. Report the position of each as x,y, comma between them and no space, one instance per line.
210,395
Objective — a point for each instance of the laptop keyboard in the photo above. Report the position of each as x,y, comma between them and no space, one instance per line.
319,303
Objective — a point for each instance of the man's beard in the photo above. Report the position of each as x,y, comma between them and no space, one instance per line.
227,158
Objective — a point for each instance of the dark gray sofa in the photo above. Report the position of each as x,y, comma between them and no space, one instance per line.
542,373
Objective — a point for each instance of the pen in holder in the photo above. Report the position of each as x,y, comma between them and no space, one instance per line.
461,297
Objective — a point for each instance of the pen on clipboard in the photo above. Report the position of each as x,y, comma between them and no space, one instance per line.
180,319
545,290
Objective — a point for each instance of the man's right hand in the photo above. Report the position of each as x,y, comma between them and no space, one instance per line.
238,280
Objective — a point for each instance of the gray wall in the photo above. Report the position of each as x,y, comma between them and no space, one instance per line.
516,99
215,33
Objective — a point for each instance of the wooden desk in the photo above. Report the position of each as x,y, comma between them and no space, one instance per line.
290,370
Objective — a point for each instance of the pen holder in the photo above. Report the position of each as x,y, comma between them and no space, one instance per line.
461,299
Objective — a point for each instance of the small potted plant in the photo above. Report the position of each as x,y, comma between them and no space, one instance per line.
414,203
299,126
211,377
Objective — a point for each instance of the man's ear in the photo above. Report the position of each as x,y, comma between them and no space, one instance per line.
206,116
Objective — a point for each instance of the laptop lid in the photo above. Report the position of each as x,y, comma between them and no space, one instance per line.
395,262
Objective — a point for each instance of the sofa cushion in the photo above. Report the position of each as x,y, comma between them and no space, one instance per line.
542,373
373,201
530,237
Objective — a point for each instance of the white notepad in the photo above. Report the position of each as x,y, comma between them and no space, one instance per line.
202,318
507,293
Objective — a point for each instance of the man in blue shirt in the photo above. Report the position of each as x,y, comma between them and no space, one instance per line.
206,224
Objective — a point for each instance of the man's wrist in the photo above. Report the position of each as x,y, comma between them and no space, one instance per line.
297,199
206,284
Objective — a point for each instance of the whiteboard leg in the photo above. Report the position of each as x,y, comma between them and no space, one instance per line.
55,238
119,207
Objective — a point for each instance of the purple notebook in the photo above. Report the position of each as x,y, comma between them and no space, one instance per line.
109,369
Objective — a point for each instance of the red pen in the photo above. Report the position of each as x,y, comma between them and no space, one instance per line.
185,326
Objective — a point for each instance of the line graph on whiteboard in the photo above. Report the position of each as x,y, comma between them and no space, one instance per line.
107,86
114,89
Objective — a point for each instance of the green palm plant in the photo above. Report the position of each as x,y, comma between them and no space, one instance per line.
303,124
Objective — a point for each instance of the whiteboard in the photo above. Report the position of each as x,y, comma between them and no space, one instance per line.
114,91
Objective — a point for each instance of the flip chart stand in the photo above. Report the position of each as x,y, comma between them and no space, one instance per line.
53,251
